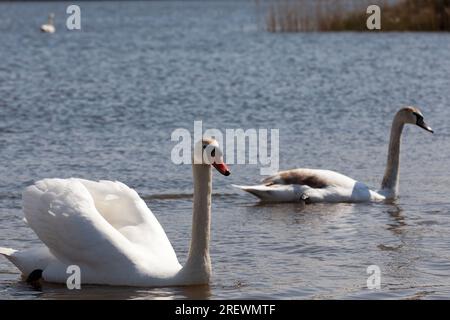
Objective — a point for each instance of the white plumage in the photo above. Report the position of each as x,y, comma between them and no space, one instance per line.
103,227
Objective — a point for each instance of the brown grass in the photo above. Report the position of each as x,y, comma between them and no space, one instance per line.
350,15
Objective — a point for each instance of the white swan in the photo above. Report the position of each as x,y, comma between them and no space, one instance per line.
107,230
312,185
49,27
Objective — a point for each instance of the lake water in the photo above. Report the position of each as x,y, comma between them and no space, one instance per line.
102,104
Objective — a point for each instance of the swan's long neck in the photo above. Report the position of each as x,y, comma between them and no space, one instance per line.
197,269
389,185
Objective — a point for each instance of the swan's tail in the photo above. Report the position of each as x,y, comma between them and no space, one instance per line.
8,253
15,258
28,260
273,193
260,191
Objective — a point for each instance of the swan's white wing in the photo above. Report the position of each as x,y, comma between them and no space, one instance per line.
313,184
324,185
122,207
313,178
276,192
63,214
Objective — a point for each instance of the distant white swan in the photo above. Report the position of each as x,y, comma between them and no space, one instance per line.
49,27
107,230
312,185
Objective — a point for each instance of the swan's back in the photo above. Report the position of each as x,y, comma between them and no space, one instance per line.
104,227
314,178
48,28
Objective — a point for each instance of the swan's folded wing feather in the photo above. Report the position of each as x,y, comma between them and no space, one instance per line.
128,213
313,178
63,215
120,205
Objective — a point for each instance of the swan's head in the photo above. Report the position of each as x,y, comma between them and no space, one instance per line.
413,115
207,151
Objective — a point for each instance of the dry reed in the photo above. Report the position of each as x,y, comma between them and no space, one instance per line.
350,15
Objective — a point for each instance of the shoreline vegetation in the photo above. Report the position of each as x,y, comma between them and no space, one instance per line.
350,15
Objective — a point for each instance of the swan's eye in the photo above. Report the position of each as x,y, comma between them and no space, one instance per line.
213,152
204,147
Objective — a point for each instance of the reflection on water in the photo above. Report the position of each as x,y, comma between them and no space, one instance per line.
175,196
399,223
120,93
90,292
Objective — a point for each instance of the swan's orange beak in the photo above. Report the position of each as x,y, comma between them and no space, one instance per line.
222,168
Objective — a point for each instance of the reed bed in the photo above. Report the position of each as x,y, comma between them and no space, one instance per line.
350,15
